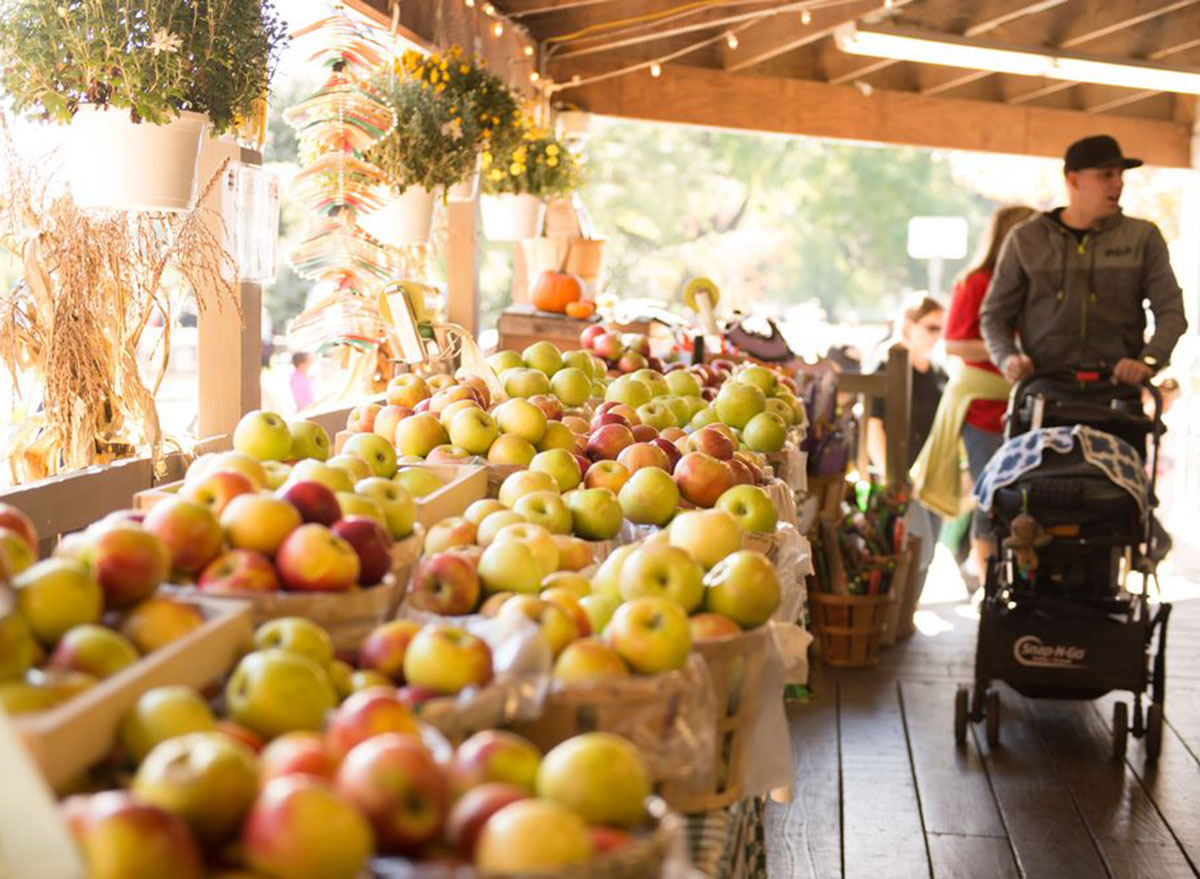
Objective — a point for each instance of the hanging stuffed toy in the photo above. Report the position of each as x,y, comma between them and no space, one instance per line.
1026,536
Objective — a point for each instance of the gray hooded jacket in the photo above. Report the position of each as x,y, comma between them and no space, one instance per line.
1074,302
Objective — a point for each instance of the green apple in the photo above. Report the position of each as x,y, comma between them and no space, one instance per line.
544,357
407,390
296,635
18,649
277,474
355,467
399,508
765,432
334,478
658,415
539,539
649,497
274,691
93,650
474,431
545,508
596,514
607,579
523,482
560,464
582,360
494,523
419,435
352,504
509,566
628,390
521,418
759,376
571,385
481,509
743,586
163,713
653,379
737,403
56,595
557,436
706,535
695,405
505,360
523,382
262,435
599,609
682,383
418,481
375,450
679,408
598,775
663,570
751,506
782,408
703,418
309,440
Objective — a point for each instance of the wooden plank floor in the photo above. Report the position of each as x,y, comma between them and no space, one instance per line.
882,790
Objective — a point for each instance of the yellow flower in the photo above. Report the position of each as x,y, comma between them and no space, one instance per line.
516,170
496,174
433,76
552,162
464,70
552,150
486,158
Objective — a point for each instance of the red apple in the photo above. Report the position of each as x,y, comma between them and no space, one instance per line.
607,442
445,584
189,530
316,502
315,559
604,418
608,346
239,570
551,407
644,433
702,479
367,713
121,837
384,648
606,840
741,473
373,544
399,788
643,454
242,735
631,361
587,338
129,563
362,418
216,490
714,442
414,697
15,520
422,406
711,626
496,756
298,753
670,450
471,812
387,419
606,474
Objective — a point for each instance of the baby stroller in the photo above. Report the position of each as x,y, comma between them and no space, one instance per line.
1071,507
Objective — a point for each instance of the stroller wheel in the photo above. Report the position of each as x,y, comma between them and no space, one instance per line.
992,716
1120,729
960,716
1154,730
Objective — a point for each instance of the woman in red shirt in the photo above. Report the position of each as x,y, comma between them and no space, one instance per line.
983,426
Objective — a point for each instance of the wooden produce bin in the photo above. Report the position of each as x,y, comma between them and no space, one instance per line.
522,325
67,739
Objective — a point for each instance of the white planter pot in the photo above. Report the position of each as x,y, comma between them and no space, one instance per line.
117,164
511,217
406,220
468,190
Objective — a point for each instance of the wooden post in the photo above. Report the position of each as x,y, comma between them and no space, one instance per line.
897,408
462,265
229,344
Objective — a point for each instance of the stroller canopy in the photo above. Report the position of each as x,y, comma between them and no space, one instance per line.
1114,458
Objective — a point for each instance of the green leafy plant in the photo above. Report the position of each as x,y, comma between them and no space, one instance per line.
541,166
449,110
155,58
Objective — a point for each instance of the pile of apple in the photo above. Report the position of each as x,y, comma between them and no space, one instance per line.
86,614
621,352
294,785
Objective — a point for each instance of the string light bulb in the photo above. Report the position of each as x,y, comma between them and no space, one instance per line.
731,41
498,30
535,76
470,4
656,69
529,51
489,9
806,17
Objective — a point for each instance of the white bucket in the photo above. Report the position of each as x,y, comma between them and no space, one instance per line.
115,163
510,217
406,220
467,190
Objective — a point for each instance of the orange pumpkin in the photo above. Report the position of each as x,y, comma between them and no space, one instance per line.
554,291
581,310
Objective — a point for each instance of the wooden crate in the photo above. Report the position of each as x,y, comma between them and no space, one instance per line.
69,738
148,498
522,325
736,665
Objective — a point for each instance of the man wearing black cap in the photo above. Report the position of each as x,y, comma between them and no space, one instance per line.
1071,283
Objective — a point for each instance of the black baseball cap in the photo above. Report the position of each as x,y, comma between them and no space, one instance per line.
1100,151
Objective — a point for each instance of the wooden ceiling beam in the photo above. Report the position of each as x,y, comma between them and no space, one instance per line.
712,98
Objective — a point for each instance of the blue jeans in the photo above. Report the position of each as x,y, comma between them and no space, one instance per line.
981,445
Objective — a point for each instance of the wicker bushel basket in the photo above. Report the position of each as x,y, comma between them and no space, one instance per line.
652,848
850,627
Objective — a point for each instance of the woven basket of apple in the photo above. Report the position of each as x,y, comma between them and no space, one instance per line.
300,769
86,632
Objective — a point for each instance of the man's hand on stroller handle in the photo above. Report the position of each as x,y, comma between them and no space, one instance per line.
1131,372
1017,367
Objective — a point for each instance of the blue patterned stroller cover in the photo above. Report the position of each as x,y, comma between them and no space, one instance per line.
1114,457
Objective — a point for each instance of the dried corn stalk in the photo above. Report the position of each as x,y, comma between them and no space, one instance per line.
92,283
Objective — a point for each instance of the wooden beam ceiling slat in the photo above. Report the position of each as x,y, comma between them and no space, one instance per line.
699,96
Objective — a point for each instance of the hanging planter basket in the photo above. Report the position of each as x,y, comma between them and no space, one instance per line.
408,219
467,190
511,217
117,164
